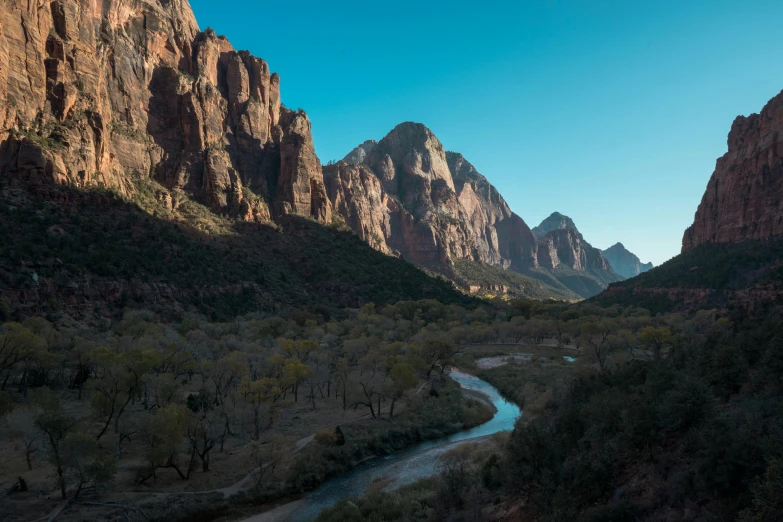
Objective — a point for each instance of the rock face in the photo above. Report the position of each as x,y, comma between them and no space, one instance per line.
567,247
624,262
360,153
556,221
744,197
407,196
413,198
561,243
101,93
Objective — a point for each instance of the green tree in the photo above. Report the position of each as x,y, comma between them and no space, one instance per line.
656,339
767,504
435,353
162,434
55,426
84,465
17,343
402,377
119,380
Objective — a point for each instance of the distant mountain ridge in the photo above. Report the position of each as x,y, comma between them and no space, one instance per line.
406,195
625,262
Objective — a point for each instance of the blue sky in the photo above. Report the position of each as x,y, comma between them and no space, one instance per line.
612,112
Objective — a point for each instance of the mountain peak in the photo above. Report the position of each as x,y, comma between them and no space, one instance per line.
555,221
624,262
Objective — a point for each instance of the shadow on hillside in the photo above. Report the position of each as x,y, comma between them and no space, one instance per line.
94,253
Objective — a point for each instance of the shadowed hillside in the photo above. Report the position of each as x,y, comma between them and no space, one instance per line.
93,252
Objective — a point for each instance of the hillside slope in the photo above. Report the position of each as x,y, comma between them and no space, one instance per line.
733,253
88,254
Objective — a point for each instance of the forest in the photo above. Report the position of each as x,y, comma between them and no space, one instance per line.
676,413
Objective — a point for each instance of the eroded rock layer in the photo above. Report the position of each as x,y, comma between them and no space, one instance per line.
98,93
407,195
744,197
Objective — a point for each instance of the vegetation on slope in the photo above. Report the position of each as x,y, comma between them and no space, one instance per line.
85,254
719,271
562,283
490,278
722,266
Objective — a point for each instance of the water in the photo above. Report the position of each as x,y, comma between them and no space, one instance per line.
402,467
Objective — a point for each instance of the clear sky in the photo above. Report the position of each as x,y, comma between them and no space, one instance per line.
611,112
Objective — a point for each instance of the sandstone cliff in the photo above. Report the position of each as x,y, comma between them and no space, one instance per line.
561,243
430,206
624,262
407,196
744,197
566,246
97,94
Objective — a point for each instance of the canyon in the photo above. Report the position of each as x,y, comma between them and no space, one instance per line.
133,98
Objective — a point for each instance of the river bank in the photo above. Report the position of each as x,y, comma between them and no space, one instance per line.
403,467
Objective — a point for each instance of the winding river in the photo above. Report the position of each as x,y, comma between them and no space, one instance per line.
399,468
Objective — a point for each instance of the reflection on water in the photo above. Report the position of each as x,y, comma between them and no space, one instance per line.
407,466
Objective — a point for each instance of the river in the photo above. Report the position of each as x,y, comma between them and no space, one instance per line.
399,468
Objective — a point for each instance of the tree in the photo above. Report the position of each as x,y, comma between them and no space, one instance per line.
227,373
162,434
456,479
596,334
203,430
16,344
369,383
656,339
268,455
119,381
82,353
258,396
767,504
293,373
83,465
20,425
402,377
435,353
55,426
343,370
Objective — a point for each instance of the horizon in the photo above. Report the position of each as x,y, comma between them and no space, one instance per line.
611,114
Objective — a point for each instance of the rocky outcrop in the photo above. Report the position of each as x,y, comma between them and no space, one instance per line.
561,243
555,221
567,247
407,196
413,198
360,153
744,197
100,93
624,262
